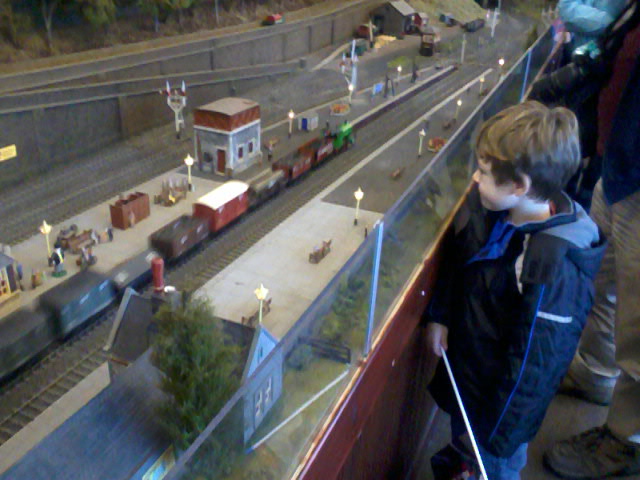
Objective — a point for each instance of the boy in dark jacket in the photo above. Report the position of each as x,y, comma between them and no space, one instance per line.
517,285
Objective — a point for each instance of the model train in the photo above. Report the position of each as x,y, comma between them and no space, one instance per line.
228,202
27,332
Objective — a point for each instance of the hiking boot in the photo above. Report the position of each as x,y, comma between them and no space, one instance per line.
593,455
592,393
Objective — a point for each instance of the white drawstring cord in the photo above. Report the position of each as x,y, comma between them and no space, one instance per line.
464,414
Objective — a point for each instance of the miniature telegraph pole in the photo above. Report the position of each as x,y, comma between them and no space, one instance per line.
177,100
421,136
458,105
464,44
291,117
188,161
261,295
358,194
45,229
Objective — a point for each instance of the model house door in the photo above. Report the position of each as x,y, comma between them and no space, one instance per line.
222,161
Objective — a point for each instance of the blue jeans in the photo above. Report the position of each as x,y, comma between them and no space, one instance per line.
497,468
504,468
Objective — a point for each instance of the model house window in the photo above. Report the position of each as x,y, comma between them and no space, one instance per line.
268,392
258,404
240,152
250,147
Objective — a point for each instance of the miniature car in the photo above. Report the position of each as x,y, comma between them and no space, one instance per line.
361,46
363,31
435,144
273,19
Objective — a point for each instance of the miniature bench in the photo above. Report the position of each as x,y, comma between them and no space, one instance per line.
171,193
397,173
318,253
252,320
75,242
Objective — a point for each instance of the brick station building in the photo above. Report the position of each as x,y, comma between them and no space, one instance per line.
227,135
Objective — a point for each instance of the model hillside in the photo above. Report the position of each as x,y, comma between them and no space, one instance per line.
462,10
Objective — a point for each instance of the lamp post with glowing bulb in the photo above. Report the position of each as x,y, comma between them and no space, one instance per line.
45,229
261,295
481,92
350,92
458,105
188,161
421,136
291,117
501,63
358,194
399,72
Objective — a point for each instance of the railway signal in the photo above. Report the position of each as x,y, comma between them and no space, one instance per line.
177,100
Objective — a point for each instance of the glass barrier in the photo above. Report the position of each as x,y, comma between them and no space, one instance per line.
267,426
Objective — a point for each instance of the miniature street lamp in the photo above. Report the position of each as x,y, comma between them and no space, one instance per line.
350,92
421,136
481,86
501,63
261,295
45,229
189,162
458,105
399,71
291,117
358,194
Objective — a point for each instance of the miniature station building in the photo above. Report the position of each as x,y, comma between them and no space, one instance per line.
394,18
227,135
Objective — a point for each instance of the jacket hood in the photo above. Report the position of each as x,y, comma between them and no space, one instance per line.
573,226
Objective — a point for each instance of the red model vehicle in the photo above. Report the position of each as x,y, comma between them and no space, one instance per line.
273,19
223,205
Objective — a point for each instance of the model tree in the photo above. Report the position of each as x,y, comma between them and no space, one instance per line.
199,368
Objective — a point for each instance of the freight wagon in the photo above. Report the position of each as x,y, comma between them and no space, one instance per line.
223,205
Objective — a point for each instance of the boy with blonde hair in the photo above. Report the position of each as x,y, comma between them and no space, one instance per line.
518,284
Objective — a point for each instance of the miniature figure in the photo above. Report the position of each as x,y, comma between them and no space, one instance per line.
86,258
319,253
57,261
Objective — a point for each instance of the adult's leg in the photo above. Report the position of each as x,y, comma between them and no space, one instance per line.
593,372
624,413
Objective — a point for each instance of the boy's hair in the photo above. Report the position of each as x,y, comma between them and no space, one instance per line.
531,139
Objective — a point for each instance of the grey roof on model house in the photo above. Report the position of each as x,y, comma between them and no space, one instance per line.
109,438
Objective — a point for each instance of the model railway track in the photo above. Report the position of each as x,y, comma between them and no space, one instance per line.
54,376
68,365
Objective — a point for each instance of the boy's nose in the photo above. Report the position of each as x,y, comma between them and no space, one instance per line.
476,176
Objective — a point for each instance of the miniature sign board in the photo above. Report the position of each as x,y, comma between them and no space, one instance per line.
8,152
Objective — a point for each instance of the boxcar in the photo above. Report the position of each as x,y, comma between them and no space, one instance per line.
133,272
77,299
265,185
23,334
223,205
295,164
179,236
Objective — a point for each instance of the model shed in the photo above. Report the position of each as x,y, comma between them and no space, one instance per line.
227,135
394,18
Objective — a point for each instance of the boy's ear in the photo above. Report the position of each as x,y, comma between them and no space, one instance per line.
522,185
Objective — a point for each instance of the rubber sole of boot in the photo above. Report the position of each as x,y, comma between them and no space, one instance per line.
620,473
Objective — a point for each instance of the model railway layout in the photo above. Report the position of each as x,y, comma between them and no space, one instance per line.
50,325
